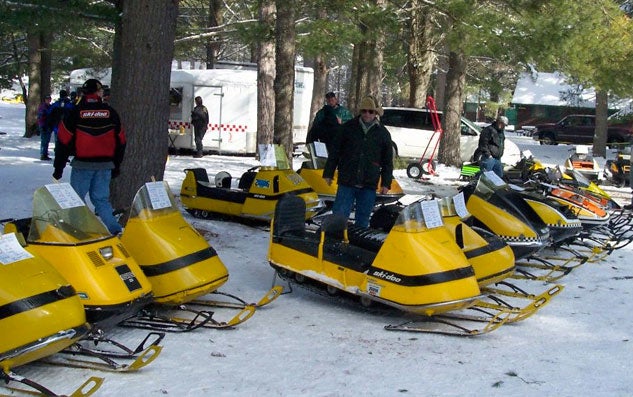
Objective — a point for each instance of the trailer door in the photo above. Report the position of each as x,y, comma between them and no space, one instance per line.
212,98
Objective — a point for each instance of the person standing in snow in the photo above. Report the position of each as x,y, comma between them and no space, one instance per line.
94,135
491,143
200,121
43,128
327,120
363,155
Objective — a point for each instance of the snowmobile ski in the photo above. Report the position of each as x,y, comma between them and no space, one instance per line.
101,362
239,303
93,341
89,387
447,324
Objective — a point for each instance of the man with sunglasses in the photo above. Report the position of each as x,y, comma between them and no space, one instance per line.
363,155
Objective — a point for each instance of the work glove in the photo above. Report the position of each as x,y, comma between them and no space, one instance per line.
58,174
115,172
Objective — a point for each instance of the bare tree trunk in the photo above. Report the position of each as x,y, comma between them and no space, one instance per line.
440,84
421,54
141,97
455,81
319,87
266,74
213,43
352,98
35,93
602,112
285,73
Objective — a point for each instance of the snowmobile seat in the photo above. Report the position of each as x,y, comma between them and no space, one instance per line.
289,217
199,173
247,180
223,180
369,239
334,226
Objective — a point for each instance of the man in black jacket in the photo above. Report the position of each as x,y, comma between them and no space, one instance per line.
491,145
363,155
200,121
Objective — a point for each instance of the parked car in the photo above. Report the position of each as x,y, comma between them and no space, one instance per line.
412,132
578,129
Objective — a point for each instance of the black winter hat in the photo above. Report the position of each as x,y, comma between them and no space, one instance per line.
91,86
63,94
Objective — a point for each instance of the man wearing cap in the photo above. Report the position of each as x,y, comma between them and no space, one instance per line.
42,127
327,120
94,135
363,155
491,143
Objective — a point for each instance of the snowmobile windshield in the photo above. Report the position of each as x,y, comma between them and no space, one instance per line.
153,199
486,187
419,216
61,217
578,177
273,156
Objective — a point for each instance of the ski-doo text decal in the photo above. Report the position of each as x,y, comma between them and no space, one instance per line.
423,279
128,277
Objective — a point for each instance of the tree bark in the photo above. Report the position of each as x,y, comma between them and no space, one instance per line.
421,55
285,73
319,87
455,80
213,43
266,73
140,97
602,112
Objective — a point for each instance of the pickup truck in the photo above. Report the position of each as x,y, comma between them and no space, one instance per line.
578,129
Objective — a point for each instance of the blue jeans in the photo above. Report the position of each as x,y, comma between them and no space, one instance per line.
364,198
97,183
492,164
45,139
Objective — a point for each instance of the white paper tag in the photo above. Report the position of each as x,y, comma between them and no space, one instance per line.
460,205
11,250
527,154
320,150
432,214
267,155
65,195
494,178
158,195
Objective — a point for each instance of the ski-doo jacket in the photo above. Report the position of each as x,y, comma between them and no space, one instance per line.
93,134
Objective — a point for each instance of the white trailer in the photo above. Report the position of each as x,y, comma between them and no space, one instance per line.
230,95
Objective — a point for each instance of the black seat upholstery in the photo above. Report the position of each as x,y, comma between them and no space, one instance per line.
200,174
247,180
290,213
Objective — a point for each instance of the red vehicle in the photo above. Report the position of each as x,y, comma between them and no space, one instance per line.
578,129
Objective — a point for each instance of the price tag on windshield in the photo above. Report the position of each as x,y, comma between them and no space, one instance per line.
494,178
460,205
11,250
432,214
267,155
158,195
65,195
320,150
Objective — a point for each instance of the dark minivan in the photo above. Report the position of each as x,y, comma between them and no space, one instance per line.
577,129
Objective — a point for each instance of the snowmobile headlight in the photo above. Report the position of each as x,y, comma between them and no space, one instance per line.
106,252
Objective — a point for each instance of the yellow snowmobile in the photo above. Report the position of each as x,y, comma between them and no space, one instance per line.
416,267
312,172
179,263
256,192
40,313
498,208
111,285
65,232
491,258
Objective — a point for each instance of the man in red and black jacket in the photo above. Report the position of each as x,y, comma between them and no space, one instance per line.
94,136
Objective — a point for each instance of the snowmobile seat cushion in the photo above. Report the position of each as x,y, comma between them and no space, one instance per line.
247,180
200,174
367,239
289,217
223,180
334,225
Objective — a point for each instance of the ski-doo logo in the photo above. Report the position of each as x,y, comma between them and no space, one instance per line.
95,114
128,277
386,276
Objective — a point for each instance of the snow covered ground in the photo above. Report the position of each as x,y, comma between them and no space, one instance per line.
304,344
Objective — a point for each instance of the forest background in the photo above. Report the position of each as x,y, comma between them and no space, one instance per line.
396,50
